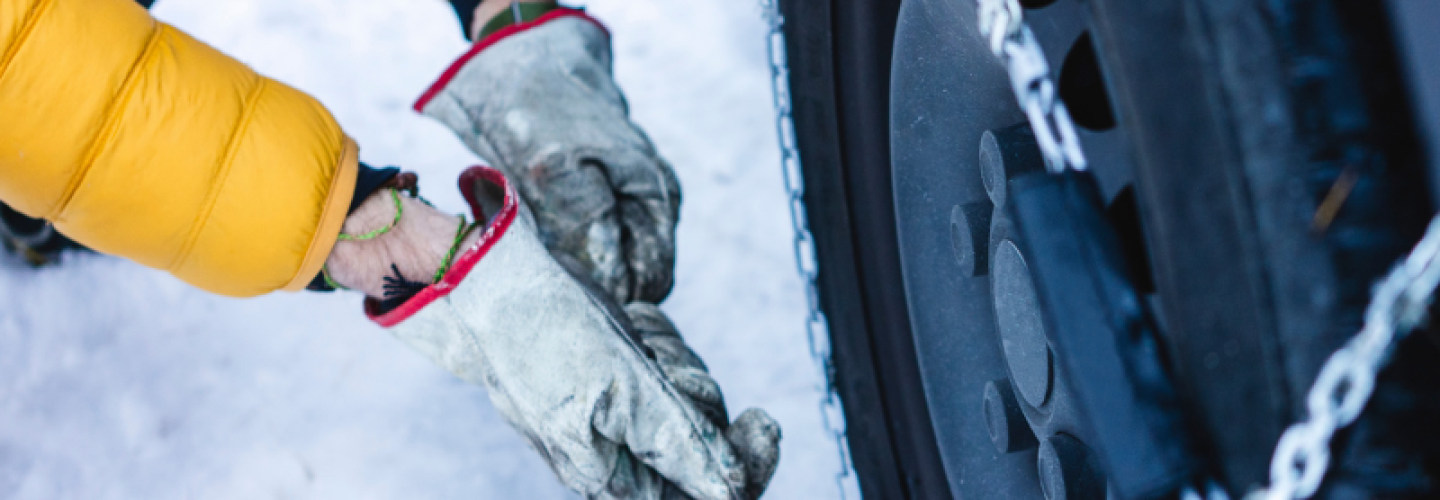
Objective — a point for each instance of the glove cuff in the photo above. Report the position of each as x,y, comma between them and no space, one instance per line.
492,39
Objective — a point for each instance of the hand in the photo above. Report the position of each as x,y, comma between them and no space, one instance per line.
542,106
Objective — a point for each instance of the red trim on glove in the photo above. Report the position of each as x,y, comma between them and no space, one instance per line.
495,37
466,261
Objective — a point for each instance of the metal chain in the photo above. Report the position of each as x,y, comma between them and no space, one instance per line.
816,328
1003,23
1399,304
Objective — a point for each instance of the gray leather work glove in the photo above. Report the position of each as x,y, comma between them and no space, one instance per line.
562,364
754,435
540,104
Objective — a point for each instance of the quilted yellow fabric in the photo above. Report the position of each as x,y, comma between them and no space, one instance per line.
137,140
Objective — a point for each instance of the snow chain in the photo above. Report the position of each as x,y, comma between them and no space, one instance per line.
1399,304
1003,22
816,328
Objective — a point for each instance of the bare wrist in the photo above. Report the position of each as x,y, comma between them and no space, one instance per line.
488,9
377,246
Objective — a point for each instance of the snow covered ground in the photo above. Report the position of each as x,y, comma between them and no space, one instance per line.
119,382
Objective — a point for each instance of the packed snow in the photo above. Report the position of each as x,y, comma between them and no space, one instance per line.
120,382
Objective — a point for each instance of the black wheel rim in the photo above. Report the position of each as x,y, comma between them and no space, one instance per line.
947,90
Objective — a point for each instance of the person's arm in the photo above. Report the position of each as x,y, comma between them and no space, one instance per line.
478,18
137,140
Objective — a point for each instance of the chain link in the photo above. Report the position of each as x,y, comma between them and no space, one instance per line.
817,330
1003,23
1399,304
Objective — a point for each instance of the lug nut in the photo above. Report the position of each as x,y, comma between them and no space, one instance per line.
1005,154
970,237
1068,470
1008,428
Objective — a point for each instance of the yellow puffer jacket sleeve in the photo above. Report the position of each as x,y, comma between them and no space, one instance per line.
137,140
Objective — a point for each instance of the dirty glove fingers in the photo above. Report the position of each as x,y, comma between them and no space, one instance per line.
649,249
576,215
702,391
681,366
648,198
647,415
658,333
633,480
755,436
